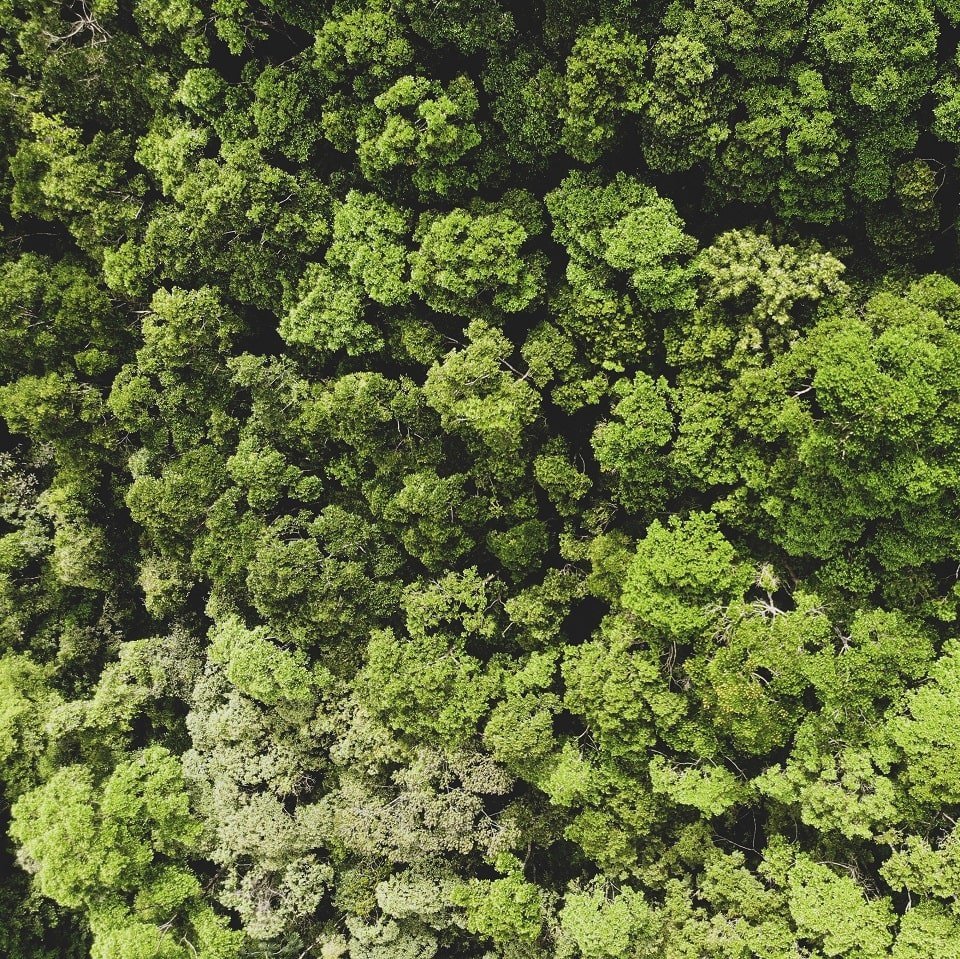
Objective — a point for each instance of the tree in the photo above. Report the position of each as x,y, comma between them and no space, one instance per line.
472,263
789,151
416,123
425,683
479,485
506,909
924,732
477,392
366,261
684,121
604,82
55,173
629,446
131,834
609,928
627,260
678,575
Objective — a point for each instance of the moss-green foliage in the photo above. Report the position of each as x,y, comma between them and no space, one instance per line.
479,479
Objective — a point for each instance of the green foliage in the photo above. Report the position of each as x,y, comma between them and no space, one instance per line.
115,848
608,927
122,831
418,124
679,575
25,704
925,732
479,479
833,911
56,174
685,111
477,392
604,81
630,446
425,683
466,260
789,150
627,253
259,668
507,910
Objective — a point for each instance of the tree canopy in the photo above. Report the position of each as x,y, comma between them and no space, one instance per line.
479,480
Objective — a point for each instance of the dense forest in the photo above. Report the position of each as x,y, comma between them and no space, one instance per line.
479,479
